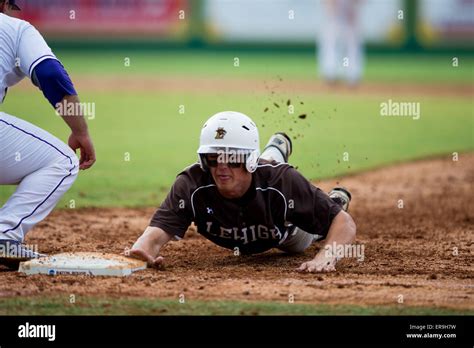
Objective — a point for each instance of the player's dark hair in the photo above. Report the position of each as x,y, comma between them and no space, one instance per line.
1,4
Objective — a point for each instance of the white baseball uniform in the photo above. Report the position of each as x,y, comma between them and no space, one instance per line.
42,165
340,48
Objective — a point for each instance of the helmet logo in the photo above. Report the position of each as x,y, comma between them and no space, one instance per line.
220,133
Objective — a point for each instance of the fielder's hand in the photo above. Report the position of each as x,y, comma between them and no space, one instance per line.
84,143
321,263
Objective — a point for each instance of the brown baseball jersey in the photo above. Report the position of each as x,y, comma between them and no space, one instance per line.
278,199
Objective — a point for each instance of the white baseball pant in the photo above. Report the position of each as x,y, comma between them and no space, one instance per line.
340,39
42,166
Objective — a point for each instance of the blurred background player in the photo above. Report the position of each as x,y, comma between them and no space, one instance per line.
42,166
340,47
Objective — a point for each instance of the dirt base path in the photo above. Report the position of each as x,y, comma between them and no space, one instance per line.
423,251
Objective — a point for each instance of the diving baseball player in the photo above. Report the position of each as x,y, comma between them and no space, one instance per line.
42,166
246,202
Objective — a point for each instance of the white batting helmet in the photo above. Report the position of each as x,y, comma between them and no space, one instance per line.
230,131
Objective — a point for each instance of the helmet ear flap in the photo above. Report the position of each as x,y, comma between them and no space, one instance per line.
203,163
251,162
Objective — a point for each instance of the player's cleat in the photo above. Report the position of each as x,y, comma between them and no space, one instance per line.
13,252
282,142
341,196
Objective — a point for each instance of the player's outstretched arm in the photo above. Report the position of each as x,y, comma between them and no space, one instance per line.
148,246
342,231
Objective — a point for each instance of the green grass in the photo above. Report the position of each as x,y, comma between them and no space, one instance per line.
161,141
128,306
408,68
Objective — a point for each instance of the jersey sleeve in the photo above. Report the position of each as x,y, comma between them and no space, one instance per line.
175,215
32,49
310,208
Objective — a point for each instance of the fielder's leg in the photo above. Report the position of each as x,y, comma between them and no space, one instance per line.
353,44
329,57
42,165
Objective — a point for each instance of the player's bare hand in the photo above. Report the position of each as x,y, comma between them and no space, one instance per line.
320,263
140,254
147,247
83,142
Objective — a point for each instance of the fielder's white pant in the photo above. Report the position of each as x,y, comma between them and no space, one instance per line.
340,47
44,169
298,240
